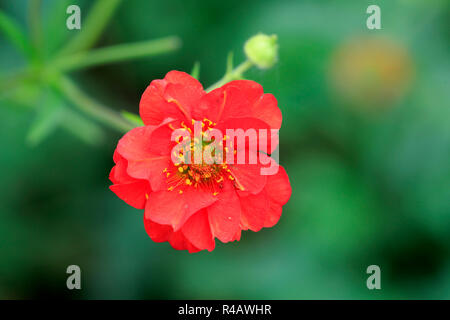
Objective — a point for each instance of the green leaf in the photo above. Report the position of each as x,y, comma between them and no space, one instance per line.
117,53
133,118
229,63
81,127
14,34
34,22
91,107
91,28
47,119
196,70
55,36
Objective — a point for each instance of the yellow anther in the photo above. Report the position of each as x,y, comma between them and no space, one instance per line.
180,169
180,192
146,196
188,181
170,188
215,193
230,177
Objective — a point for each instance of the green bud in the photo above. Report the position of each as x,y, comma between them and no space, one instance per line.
262,50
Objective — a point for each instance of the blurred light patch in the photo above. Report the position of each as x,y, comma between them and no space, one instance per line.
371,73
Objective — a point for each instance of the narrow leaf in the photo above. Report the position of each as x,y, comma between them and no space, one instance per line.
196,70
14,34
229,63
81,127
117,53
133,118
47,119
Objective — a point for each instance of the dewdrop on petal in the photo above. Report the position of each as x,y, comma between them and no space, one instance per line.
262,50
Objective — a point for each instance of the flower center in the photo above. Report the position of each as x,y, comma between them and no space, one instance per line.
197,174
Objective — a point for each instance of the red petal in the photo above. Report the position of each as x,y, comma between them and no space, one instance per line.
252,90
143,163
135,145
248,177
222,104
150,169
160,140
254,211
162,233
224,215
179,242
237,99
157,232
279,191
266,109
273,215
119,174
135,193
278,187
254,131
172,97
198,231
237,236
172,208
262,106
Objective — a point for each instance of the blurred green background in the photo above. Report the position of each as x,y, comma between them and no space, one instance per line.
365,140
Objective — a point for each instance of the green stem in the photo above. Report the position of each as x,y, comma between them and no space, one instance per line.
99,15
234,74
12,31
10,81
117,53
91,107
34,23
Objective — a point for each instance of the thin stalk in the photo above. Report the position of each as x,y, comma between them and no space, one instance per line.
91,107
234,74
12,31
34,24
117,53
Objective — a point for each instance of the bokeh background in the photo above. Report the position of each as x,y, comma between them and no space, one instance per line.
365,141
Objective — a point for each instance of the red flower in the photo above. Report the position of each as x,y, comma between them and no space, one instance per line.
189,205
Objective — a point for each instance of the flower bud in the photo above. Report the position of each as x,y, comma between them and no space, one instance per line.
262,50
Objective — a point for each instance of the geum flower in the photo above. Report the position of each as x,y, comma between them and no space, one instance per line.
189,205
